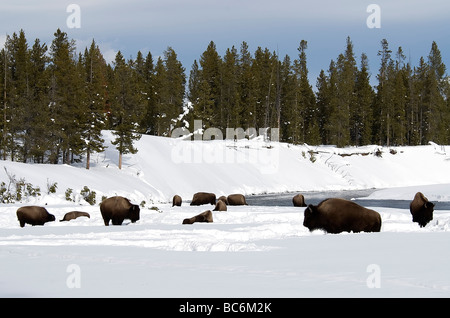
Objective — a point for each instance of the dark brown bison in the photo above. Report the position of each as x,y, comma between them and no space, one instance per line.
200,198
220,206
421,209
176,201
224,199
236,199
73,215
202,217
118,209
34,215
339,215
299,200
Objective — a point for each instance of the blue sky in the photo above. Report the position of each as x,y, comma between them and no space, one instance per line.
188,27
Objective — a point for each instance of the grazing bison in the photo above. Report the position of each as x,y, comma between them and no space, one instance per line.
176,201
73,215
421,209
117,209
202,217
299,200
220,206
200,198
236,199
34,215
339,215
224,199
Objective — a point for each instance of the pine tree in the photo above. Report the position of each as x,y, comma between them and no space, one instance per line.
210,63
92,119
63,97
361,132
230,88
309,121
124,110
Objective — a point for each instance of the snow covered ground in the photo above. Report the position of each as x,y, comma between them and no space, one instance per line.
248,251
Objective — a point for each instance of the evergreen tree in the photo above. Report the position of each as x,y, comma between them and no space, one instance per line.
361,132
124,110
63,97
309,121
92,117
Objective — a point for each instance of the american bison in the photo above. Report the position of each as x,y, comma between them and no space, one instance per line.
339,215
421,209
34,215
200,198
224,199
236,199
299,200
118,209
73,215
220,206
202,217
176,201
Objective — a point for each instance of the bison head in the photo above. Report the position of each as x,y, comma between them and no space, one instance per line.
311,219
50,217
425,215
134,213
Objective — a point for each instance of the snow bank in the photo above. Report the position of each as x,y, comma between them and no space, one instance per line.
167,166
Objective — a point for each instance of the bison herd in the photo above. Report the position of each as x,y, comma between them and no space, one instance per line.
332,215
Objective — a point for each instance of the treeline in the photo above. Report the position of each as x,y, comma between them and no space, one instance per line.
55,102
409,106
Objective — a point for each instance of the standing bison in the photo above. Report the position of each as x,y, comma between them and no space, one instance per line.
339,215
34,215
421,209
236,199
299,200
118,209
176,201
200,198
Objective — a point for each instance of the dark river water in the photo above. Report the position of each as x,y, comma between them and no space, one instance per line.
314,197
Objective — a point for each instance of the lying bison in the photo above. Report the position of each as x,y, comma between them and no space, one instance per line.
220,206
118,209
236,199
299,200
34,215
421,209
73,215
202,217
176,201
339,215
200,198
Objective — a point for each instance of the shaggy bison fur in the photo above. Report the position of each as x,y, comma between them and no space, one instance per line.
299,200
236,199
200,198
339,215
421,209
202,217
34,215
118,209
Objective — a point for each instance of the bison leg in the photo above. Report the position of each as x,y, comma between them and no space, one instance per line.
117,221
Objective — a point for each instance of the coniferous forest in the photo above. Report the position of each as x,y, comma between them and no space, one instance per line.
55,102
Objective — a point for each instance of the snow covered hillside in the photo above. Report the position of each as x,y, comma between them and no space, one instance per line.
164,167
247,251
